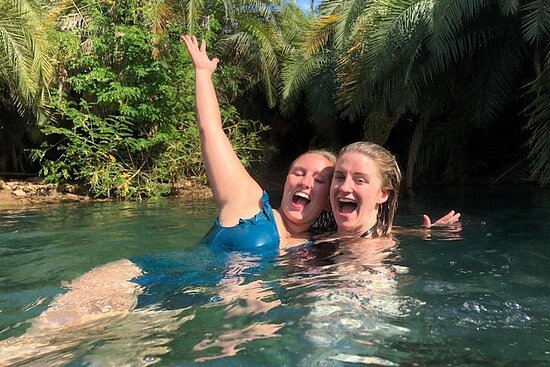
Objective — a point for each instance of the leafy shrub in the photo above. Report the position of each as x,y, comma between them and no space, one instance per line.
125,121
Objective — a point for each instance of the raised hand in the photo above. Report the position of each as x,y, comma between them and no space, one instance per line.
198,54
451,218
235,192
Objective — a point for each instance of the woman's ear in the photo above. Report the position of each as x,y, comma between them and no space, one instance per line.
384,195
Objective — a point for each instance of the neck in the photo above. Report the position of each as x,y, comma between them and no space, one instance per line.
363,231
294,230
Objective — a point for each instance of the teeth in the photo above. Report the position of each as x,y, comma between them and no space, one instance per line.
302,195
346,200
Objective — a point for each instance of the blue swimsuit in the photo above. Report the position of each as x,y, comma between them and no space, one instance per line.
253,234
167,276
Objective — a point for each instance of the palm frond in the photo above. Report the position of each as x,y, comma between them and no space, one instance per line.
318,35
55,10
535,21
265,10
293,25
491,87
350,13
297,74
384,49
331,7
397,32
26,65
466,46
451,16
193,12
539,126
378,123
508,7
160,12
320,95
259,45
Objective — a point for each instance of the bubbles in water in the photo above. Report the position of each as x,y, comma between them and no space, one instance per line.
509,314
150,360
216,299
474,306
348,323
513,305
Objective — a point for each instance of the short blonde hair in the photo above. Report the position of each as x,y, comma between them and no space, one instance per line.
329,156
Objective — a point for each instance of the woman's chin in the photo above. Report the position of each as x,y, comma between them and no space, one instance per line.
346,228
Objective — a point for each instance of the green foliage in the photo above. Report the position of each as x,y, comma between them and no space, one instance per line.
539,126
25,64
448,71
447,68
94,151
25,72
125,121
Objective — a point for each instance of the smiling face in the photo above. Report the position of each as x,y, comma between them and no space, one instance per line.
356,193
306,190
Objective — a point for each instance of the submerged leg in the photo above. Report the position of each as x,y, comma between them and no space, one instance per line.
100,295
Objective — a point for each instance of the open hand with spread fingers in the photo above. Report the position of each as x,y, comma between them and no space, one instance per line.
200,58
450,219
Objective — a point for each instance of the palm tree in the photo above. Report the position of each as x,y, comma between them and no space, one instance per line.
25,66
259,38
535,25
448,67
25,71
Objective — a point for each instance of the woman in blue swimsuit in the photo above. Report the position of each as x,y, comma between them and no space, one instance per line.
246,219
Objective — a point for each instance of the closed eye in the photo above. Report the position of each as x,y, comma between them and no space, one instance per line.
338,177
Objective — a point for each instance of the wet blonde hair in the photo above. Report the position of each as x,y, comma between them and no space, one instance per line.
329,156
390,174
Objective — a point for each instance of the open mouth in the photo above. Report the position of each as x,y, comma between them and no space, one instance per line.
346,206
300,199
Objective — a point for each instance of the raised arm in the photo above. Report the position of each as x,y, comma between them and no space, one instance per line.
236,193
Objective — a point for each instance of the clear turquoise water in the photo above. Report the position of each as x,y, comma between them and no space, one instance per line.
480,298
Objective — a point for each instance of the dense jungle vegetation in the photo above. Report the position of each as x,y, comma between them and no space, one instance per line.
101,91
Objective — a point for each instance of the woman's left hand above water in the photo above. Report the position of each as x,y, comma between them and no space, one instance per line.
449,219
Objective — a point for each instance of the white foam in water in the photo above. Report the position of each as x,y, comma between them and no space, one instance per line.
350,358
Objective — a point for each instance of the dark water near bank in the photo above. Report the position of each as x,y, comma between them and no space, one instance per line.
480,297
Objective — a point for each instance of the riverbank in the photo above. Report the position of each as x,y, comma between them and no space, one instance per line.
33,192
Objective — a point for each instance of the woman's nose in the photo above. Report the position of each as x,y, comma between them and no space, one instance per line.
346,186
307,181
